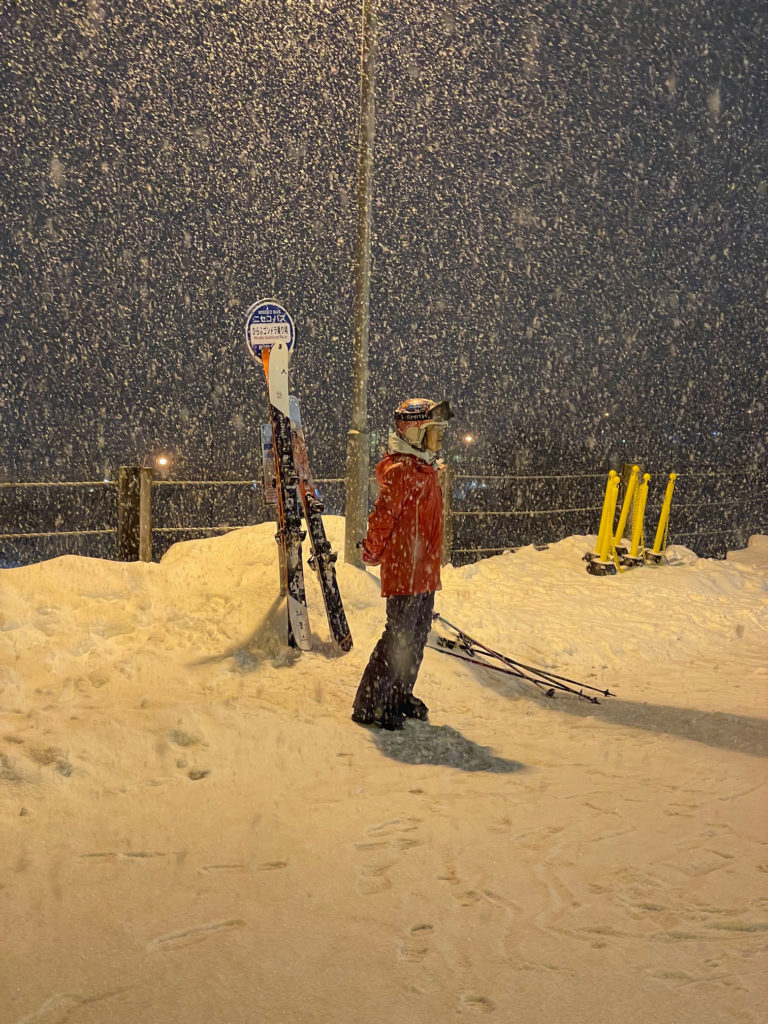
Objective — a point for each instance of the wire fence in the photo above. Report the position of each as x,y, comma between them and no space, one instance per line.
712,512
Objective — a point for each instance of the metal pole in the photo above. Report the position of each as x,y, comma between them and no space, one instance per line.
356,504
446,485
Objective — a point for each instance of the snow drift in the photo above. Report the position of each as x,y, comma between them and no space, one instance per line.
195,831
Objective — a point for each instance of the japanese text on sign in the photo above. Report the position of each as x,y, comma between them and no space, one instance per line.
269,332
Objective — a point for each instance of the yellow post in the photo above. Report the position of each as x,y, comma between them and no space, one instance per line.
627,505
604,514
664,517
637,523
609,511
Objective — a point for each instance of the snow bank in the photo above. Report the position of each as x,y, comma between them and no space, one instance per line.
194,830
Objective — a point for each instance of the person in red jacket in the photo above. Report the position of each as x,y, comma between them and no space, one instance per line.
405,537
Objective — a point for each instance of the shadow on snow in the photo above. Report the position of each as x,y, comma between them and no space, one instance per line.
422,743
742,733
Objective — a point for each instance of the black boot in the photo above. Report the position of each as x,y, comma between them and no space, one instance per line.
390,720
415,708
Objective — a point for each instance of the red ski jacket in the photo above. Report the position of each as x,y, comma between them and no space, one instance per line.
405,528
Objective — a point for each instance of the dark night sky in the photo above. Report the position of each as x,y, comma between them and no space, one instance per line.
570,220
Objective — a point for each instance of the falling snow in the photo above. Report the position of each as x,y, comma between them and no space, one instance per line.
569,218
570,215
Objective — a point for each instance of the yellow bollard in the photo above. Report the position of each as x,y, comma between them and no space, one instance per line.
603,514
656,553
626,506
612,496
597,563
637,525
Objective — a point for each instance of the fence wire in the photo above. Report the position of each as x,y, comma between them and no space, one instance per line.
688,508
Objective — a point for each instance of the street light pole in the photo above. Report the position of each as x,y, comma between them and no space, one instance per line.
356,505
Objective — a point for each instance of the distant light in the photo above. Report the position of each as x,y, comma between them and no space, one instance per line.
469,439
163,460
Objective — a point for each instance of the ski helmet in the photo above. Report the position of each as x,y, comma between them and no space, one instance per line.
413,416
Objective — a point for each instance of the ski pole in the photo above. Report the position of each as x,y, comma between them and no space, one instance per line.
549,688
549,676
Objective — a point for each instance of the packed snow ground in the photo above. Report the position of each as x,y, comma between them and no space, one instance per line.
194,830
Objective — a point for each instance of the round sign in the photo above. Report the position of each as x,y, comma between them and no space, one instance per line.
267,323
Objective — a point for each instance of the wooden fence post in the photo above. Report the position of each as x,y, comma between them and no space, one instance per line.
145,514
128,502
446,485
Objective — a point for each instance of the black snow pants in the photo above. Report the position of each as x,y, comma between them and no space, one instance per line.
391,672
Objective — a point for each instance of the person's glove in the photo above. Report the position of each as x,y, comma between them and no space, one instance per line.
366,555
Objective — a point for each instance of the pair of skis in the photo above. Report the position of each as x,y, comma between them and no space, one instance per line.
323,558
297,496
466,648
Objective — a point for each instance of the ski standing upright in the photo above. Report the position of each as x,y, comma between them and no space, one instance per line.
270,337
323,557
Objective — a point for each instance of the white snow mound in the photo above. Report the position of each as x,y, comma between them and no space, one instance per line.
195,830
